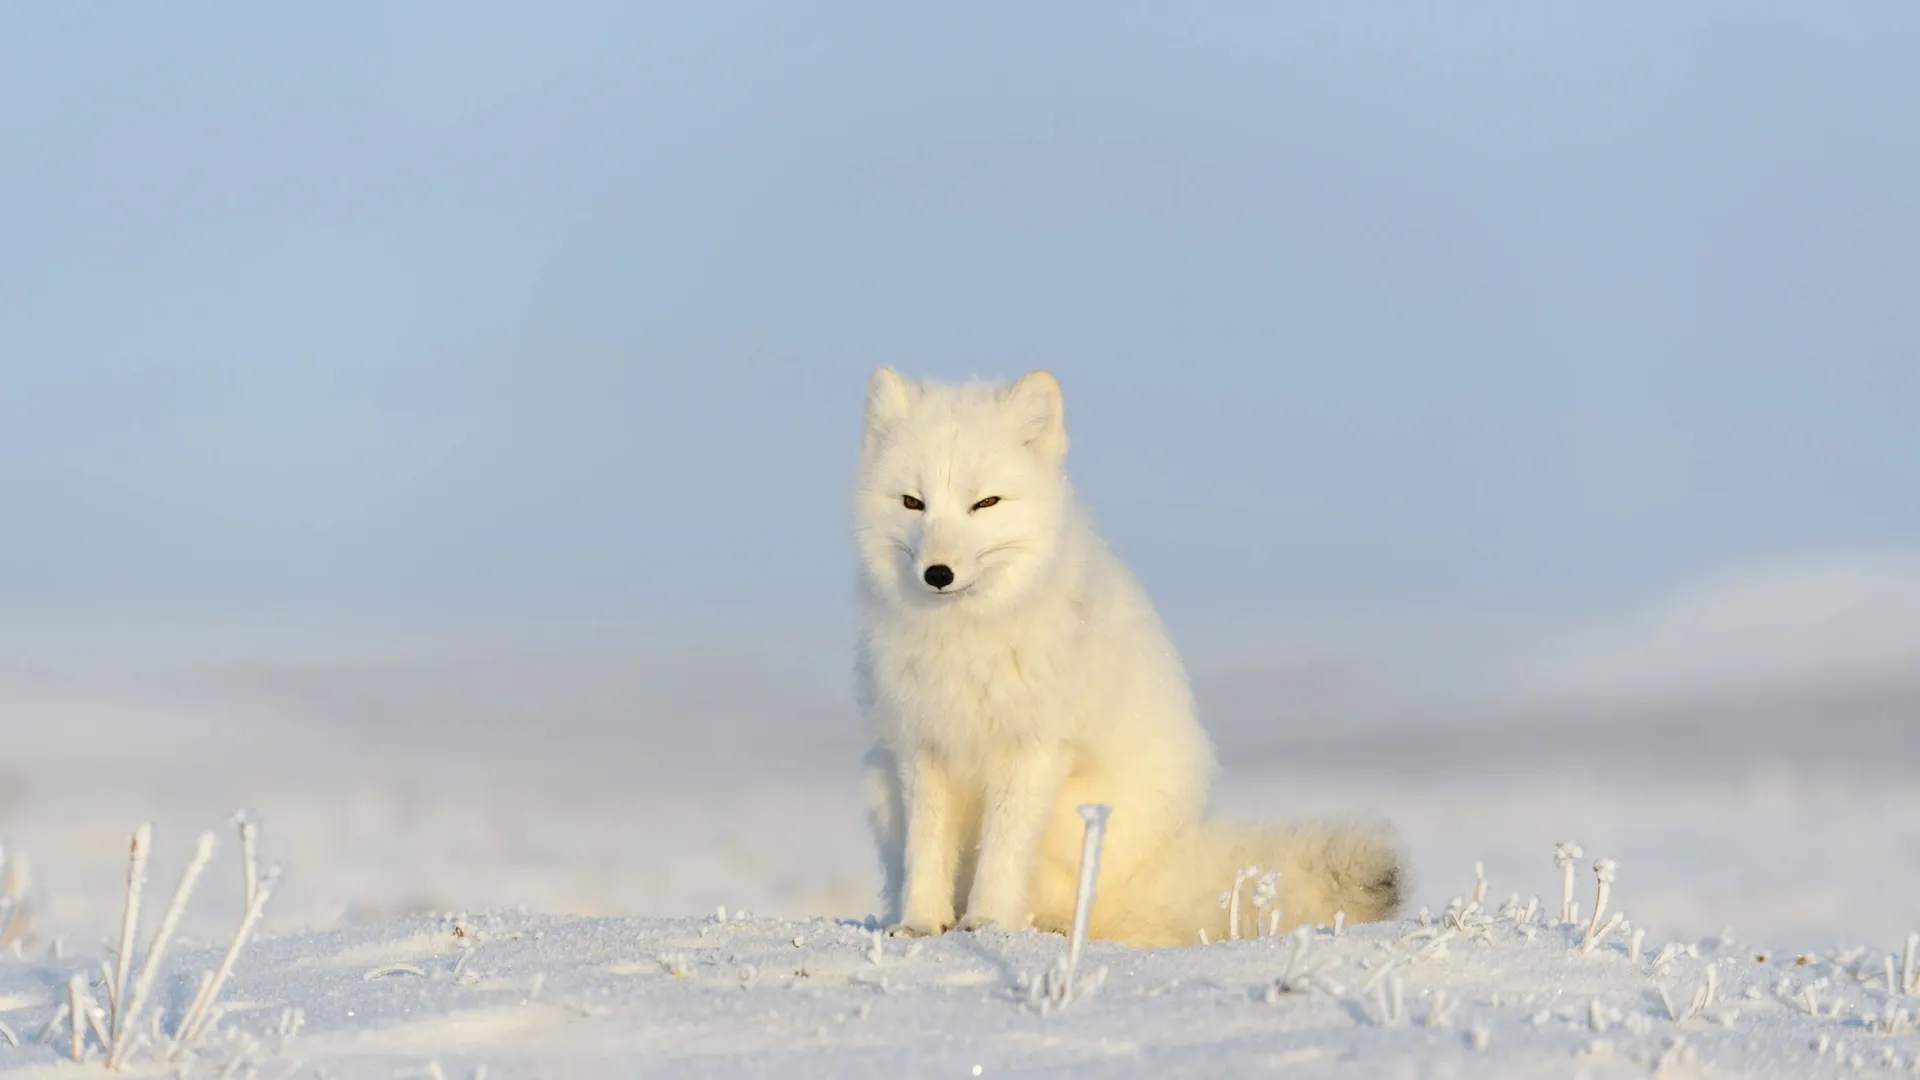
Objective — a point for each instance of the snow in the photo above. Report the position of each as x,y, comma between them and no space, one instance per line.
513,995
505,855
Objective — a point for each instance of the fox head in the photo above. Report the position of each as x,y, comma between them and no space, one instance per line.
962,490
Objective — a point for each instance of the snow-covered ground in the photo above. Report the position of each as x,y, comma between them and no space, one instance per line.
584,801
1479,995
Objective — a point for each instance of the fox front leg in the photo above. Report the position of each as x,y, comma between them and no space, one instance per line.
1020,798
932,850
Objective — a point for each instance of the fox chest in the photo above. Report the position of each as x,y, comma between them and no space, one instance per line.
963,697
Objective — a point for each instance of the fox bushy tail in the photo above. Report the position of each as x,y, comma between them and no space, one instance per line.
1323,868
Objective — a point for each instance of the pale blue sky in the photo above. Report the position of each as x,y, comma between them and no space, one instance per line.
566,308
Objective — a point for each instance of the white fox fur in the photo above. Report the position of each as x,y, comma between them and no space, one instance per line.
1036,678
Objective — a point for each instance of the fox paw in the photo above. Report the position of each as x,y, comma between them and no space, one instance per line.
971,921
919,928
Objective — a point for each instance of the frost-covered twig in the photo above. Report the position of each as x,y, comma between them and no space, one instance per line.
1702,998
1603,873
1892,1020
1595,937
1298,976
1564,854
1910,966
1390,998
1265,891
1230,900
1380,973
198,1014
1673,1011
77,1030
143,982
13,897
129,925
249,860
393,969
1437,947
52,1027
1056,988
1480,883
96,1017
1466,918
1095,816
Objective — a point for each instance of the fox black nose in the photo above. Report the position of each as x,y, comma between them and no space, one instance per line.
939,575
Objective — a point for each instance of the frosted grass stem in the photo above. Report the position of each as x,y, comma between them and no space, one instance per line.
1604,872
1594,939
1232,900
1910,966
96,1018
1095,815
249,861
129,925
202,1009
1266,890
77,1037
13,896
149,967
1564,854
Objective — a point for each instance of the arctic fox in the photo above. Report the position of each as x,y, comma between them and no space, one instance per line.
1014,670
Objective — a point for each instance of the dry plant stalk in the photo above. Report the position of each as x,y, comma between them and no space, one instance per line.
129,925
1095,816
1564,854
14,920
149,968
77,1030
201,1011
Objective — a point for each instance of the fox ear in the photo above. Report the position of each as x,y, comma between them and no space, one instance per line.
1037,407
888,398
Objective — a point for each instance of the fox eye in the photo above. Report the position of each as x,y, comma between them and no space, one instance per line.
986,502
912,503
